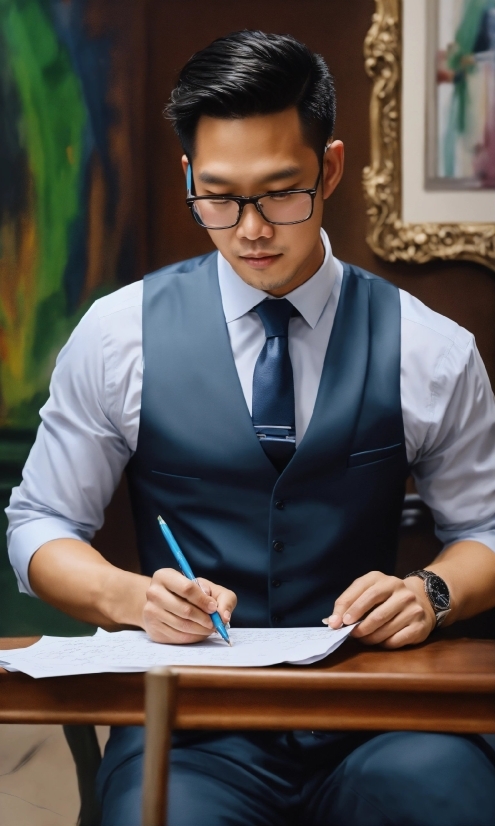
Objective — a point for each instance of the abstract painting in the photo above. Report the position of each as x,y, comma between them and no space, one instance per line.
462,144
71,213
66,189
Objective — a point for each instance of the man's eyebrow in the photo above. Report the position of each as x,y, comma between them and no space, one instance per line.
280,175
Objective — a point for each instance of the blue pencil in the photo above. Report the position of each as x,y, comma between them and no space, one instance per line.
186,570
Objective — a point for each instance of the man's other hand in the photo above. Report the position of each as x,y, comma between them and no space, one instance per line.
396,612
177,611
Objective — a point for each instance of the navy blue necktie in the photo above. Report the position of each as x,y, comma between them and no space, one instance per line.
273,384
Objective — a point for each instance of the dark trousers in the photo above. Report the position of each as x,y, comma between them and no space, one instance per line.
304,779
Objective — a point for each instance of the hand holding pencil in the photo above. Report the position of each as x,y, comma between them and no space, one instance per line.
187,571
178,612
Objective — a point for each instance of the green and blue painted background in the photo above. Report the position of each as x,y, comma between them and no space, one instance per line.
65,223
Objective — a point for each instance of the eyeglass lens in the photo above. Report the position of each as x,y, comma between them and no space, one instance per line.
285,208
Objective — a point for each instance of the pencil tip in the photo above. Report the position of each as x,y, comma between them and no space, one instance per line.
230,643
161,520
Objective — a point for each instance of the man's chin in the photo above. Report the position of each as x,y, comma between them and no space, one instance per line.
262,280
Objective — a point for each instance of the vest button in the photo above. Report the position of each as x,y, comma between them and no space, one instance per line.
276,583
276,618
280,505
278,545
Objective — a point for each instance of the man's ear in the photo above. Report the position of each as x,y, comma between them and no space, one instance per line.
333,167
185,164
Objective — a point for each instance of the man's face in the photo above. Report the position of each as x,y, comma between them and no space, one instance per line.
253,156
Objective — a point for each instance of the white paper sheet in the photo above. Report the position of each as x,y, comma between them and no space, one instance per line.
134,651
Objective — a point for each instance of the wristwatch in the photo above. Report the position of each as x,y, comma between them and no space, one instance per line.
437,591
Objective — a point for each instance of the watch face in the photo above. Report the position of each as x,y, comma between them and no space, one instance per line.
438,592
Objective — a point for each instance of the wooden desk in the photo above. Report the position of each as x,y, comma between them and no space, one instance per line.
445,685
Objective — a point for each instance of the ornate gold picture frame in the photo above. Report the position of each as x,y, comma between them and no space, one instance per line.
388,235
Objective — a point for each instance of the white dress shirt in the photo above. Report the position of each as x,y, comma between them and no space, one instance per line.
90,423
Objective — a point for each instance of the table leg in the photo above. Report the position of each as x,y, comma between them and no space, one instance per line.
161,689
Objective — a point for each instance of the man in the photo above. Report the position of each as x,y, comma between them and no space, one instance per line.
285,397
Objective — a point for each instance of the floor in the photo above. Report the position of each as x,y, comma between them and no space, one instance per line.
38,785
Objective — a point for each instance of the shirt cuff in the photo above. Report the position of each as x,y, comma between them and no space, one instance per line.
26,539
449,537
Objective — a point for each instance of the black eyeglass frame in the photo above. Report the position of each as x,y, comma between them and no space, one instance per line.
243,200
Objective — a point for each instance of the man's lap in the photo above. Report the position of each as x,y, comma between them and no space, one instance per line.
277,779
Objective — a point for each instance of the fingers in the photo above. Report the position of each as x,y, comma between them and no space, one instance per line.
167,627
204,585
342,615
410,635
384,613
178,611
401,614
389,611
185,589
225,599
387,597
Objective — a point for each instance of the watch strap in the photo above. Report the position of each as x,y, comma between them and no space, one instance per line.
424,574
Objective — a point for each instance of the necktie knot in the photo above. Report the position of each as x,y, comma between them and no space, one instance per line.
275,315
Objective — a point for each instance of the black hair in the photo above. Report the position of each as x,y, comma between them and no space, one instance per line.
252,73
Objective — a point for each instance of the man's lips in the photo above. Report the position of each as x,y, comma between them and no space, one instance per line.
260,261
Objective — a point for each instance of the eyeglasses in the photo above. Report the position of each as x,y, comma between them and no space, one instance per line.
286,206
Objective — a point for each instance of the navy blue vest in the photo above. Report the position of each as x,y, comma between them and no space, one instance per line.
287,544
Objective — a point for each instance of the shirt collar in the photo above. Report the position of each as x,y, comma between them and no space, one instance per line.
239,298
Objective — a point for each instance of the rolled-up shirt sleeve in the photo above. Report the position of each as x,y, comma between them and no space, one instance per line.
77,459
455,467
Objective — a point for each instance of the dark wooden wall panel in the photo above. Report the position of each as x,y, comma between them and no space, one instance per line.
336,29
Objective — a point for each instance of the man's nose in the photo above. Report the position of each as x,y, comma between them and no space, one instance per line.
252,224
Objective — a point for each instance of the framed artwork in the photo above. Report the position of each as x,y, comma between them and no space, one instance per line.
70,222
430,186
460,120
67,196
